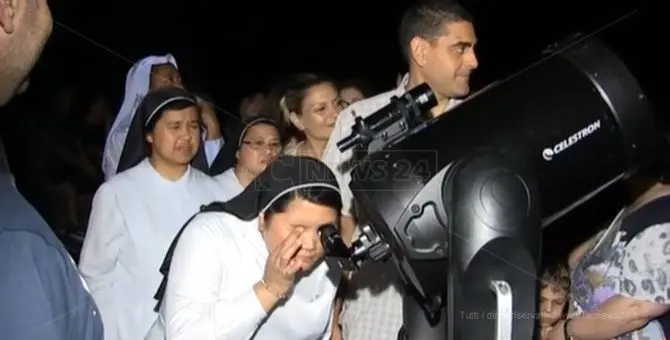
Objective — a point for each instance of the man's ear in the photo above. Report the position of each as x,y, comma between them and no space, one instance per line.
7,15
418,50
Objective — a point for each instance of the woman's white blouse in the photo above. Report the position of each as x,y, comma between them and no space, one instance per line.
210,291
230,183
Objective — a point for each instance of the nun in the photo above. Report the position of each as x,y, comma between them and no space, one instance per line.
253,267
149,73
136,215
258,145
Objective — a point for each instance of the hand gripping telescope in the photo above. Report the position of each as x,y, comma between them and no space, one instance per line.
459,201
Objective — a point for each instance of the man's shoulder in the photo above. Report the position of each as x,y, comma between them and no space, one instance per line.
17,214
368,106
363,109
22,224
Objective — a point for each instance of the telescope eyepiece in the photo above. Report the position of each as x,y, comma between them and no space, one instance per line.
332,242
405,110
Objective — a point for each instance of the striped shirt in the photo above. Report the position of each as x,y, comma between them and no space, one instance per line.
372,309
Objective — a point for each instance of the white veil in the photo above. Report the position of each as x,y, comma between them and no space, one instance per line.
137,86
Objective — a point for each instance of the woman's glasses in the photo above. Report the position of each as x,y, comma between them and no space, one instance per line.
260,145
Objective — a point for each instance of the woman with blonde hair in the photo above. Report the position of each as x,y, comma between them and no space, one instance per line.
311,104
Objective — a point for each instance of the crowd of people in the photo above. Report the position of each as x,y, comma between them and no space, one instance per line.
194,229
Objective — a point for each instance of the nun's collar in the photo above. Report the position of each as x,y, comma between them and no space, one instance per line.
160,180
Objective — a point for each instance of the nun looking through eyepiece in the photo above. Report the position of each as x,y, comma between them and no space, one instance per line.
149,73
136,214
253,267
258,145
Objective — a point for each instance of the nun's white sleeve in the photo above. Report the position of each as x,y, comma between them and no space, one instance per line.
114,148
105,236
198,273
212,147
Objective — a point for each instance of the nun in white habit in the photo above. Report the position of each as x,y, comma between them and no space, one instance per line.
253,267
149,73
136,215
258,145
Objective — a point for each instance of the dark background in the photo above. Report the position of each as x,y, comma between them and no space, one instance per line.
231,49
234,48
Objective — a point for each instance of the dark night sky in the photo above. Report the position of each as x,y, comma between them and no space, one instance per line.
232,49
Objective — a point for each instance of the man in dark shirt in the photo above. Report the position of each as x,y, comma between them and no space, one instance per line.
42,295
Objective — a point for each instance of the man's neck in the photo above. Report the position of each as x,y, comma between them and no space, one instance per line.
170,172
415,79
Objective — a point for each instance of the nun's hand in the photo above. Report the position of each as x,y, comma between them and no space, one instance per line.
282,266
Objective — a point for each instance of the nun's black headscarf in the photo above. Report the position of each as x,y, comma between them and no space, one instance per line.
225,159
150,110
284,176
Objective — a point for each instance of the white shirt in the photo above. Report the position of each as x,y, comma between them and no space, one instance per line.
373,308
134,218
230,183
210,293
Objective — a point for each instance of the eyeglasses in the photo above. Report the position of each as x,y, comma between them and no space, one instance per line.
260,145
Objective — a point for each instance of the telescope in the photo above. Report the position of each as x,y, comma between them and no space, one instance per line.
459,202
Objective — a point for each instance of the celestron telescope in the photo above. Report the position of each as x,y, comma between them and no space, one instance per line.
459,202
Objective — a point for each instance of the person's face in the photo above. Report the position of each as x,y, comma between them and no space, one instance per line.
351,95
165,75
320,108
304,217
22,39
552,303
251,106
176,136
99,112
260,147
447,61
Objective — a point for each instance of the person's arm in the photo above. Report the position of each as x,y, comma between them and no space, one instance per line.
641,285
617,316
104,239
193,307
578,253
41,295
336,333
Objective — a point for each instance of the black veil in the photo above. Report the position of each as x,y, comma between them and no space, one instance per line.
225,159
136,148
286,174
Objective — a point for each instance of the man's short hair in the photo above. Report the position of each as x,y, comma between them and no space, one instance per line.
427,19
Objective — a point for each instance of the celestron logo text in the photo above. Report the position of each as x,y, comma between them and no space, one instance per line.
549,153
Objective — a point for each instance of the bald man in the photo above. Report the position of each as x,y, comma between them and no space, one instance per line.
42,295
